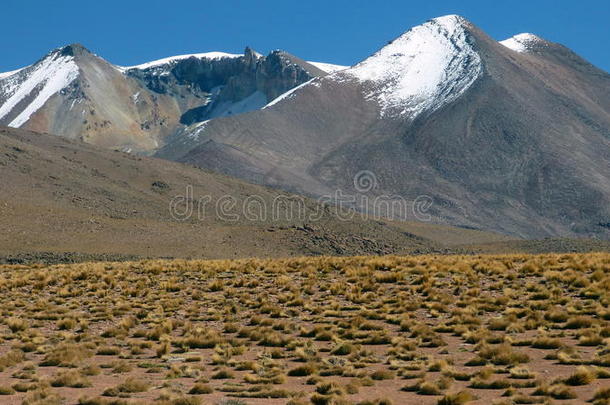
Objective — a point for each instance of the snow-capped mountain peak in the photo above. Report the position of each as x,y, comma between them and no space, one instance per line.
523,42
37,83
428,66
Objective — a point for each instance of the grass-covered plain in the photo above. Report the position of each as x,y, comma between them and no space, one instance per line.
511,329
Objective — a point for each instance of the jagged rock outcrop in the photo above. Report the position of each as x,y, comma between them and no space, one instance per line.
224,84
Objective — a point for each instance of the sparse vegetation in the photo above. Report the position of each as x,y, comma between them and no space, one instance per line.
194,332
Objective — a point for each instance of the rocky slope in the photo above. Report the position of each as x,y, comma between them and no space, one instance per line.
224,84
510,136
75,93
66,200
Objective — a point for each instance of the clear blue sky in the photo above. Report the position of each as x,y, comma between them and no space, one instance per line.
344,32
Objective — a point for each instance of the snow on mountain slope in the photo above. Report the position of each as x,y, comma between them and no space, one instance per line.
522,42
37,83
165,61
289,93
328,67
12,72
422,70
254,101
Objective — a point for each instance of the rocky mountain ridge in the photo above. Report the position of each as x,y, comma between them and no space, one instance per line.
75,93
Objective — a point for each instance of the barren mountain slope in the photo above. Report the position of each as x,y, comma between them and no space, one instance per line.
67,196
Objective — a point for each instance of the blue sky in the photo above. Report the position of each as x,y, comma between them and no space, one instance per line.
344,32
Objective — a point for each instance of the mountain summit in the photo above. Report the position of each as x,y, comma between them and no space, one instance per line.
524,42
77,94
37,83
422,70
511,136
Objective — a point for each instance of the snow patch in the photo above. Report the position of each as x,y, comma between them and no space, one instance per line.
427,67
12,72
76,100
171,59
45,78
522,42
199,127
289,93
254,101
328,67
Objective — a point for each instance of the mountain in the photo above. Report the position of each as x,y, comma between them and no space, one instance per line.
510,136
75,93
64,199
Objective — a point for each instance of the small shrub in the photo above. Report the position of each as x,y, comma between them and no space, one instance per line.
72,379
579,322
521,373
602,394
382,375
582,376
66,324
302,371
66,355
556,391
490,384
16,324
108,351
129,386
223,374
459,398
201,389
547,343
42,396
343,349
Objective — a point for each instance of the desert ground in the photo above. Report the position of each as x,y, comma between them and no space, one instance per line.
503,329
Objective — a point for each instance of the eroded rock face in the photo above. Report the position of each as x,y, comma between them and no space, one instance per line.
208,88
